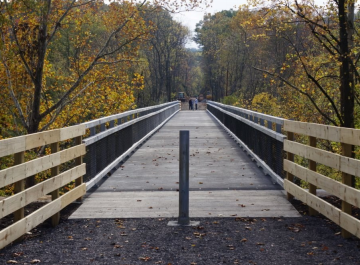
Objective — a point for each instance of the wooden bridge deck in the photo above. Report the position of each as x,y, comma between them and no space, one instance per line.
223,179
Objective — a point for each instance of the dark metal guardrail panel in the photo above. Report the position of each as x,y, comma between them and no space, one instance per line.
263,144
107,148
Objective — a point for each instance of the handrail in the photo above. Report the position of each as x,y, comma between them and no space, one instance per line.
21,170
137,126
251,114
235,121
343,163
130,132
125,114
258,139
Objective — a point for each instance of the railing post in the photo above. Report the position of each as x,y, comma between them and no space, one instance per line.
19,186
184,178
55,219
290,157
312,166
346,179
78,162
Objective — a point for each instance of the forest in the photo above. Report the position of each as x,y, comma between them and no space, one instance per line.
67,62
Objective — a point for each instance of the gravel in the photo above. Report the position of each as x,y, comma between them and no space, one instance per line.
305,240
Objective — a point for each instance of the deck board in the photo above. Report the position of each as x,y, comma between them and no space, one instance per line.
222,177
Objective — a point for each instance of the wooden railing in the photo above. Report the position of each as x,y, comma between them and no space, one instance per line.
21,170
343,163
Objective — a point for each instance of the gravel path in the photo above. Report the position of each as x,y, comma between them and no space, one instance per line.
305,240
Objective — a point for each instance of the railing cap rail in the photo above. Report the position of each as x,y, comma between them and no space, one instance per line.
267,117
99,121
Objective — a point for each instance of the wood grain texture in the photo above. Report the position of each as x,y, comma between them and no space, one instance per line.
22,171
342,191
21,199
341,163
19,228
326,132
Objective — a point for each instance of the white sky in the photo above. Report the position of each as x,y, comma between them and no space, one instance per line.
191,18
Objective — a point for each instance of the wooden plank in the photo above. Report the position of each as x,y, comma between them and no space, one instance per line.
42,138
292,188
19,228
72,153
323,207
318,204
13,203
72,132
342,191
30,141
12,146
350,224
324,157
326,132
13,174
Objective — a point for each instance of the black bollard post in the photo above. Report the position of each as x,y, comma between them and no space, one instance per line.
184,178
184,155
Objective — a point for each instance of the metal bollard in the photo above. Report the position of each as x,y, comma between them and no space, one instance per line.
184,178
184,154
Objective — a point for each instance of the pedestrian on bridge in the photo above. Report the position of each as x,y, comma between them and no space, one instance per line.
190,104
196,102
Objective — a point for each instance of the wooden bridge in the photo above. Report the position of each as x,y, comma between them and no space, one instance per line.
237,167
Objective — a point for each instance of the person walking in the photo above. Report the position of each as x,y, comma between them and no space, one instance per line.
190,104
196,102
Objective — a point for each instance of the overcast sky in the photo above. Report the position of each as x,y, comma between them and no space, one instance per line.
190,18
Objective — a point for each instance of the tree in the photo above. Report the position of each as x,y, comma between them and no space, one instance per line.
100,43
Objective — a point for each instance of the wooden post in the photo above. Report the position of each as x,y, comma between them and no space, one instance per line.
290,157
312,166
19,186
55,219
78,162
346,179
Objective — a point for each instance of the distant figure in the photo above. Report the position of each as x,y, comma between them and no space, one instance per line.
196,102
190,104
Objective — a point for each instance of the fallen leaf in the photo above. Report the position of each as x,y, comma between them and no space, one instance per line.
83,248
259,244
35,261
145,258
150,207
243,240
11,261
201,183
